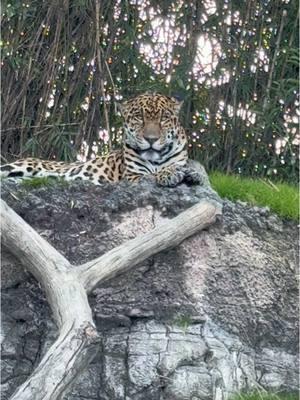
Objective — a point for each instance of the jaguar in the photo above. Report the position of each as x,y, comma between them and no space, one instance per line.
154,144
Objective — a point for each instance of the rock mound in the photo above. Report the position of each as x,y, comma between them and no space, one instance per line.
215,315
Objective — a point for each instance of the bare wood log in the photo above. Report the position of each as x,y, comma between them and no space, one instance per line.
66,288
69,355
46,264
77,342
167,235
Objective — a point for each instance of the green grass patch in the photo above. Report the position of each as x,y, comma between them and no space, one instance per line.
182,321
258,395
281,198
33,183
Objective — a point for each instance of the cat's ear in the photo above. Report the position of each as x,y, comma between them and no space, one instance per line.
177,103
121,107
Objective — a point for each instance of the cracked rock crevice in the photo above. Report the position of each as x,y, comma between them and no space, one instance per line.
215,315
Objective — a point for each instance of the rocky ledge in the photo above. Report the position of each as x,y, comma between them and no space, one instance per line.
216,315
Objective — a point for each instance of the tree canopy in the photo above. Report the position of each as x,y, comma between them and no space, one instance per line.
234,63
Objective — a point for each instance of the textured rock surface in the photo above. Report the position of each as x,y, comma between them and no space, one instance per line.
215,315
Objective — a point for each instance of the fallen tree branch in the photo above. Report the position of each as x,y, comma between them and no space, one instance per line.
168,234
66,287
78,338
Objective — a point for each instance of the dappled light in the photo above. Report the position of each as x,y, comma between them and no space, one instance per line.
234,63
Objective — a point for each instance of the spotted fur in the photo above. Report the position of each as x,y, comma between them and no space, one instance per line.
154,144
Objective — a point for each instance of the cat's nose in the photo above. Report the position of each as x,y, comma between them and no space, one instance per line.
151,140
151,132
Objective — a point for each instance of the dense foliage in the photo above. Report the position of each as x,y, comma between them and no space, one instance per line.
235,63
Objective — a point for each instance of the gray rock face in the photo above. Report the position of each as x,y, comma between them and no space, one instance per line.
216,315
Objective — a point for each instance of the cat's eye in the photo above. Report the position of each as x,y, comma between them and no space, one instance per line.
165,116
138,117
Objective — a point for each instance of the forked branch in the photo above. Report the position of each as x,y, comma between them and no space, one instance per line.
66,287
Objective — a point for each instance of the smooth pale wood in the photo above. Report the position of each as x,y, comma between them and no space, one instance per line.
168,234
76,344
66,288
69,355
67,298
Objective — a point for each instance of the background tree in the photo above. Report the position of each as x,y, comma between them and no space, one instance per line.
235,63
